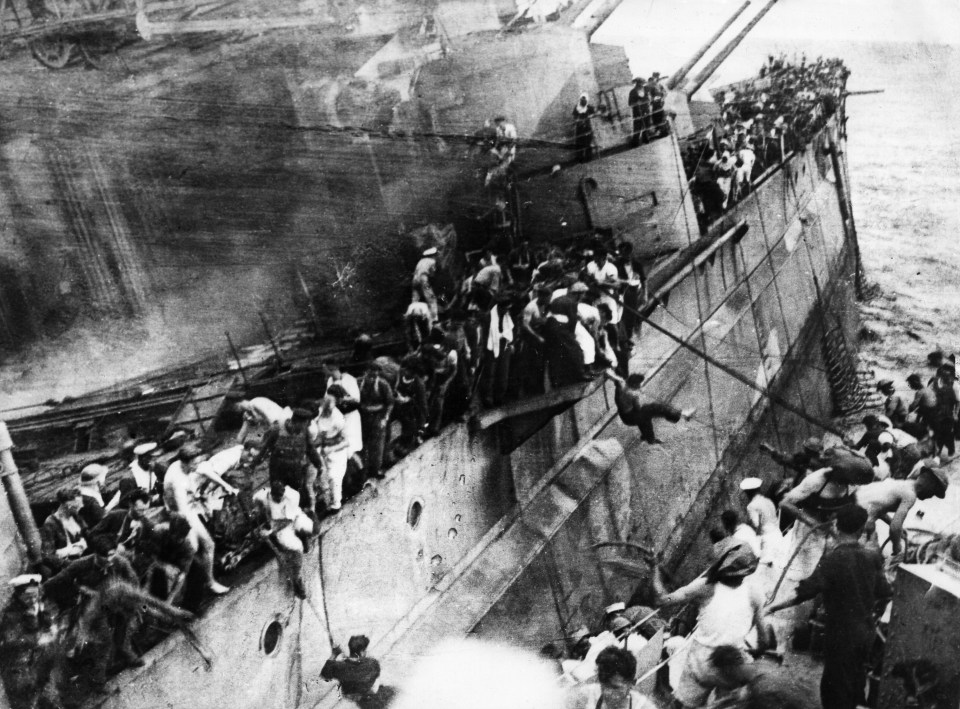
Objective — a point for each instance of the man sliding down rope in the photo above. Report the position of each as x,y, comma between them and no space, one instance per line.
635,412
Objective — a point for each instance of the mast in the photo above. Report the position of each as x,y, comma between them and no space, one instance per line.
680,74
17,496
715,63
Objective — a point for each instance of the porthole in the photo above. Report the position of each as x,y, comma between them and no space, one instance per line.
452,533
414,514
271,637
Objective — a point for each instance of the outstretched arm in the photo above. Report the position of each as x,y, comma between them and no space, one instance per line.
697,589
896,524
779,456
213,476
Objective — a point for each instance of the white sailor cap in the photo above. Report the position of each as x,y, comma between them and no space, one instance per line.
886,437
432,251
615,607
93,473
26,580
885,420
749,484
145,448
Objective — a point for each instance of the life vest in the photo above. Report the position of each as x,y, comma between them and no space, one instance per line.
288,451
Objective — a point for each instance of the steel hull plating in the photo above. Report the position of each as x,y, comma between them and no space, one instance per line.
463,537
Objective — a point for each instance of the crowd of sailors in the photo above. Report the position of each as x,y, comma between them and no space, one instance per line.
648,118
517,323
648,121
804,562
834,521
761,121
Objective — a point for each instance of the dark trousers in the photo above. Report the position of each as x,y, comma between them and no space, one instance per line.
564,356
631,302
375,440
943,434
531,366
412,419
415,331
641,123
643,416
845,657
583,139
495,376
437,405
638,128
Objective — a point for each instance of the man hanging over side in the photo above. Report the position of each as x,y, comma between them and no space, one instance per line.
635,411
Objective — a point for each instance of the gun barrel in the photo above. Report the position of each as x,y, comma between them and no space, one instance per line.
595,14
715,63
680,74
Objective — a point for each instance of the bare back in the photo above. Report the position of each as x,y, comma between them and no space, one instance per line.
886,496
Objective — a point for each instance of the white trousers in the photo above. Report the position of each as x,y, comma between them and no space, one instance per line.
331,479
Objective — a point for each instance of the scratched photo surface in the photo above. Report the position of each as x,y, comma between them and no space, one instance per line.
338,211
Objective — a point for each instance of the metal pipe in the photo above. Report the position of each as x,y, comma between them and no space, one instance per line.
846,211
17,497
715,63
196,412
313,310
273,343
594,15
678,76
236,356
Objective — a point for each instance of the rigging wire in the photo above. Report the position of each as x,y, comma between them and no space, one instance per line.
775,398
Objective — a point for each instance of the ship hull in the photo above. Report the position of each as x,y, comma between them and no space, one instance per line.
490,532
766,303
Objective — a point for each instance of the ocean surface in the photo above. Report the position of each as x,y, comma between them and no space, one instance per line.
904,152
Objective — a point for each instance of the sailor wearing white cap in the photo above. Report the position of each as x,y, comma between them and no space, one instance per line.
27,639
142,467
93,509
762,515
629,639
422,283
618,607
25,579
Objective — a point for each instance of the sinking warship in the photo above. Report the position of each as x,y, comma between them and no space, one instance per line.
500,527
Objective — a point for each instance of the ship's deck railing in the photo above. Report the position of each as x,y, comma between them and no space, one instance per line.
785,150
